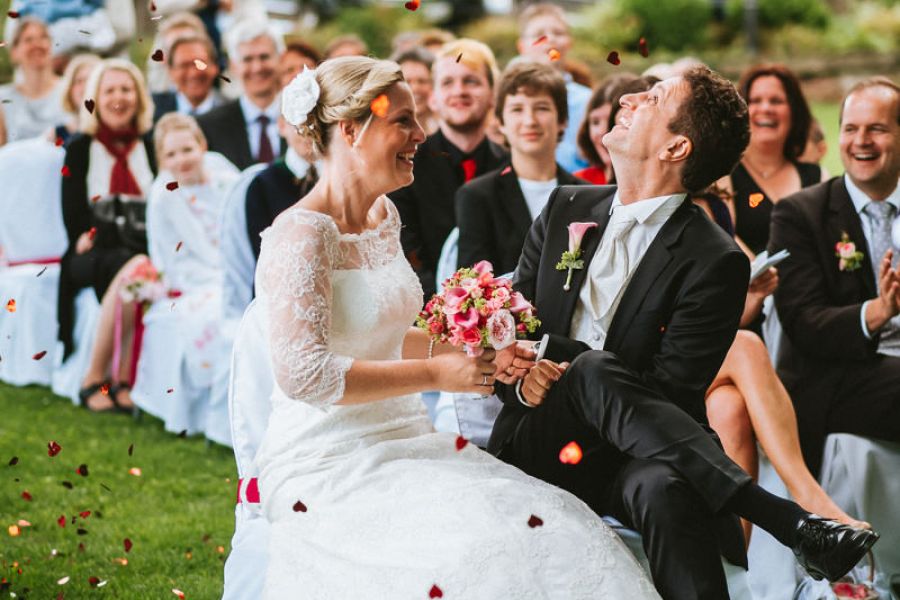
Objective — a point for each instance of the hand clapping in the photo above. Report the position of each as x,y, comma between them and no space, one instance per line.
889,287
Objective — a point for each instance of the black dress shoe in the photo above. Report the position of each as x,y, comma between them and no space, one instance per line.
828,549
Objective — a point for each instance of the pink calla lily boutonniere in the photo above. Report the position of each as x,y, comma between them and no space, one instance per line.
849,258
571,259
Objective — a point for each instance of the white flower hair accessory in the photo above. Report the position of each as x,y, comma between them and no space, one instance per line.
299,98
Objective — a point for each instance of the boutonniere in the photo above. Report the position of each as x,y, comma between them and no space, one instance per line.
571,258
850,259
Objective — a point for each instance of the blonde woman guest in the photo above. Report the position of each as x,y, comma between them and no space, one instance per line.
183,235
73,85
31,103
109,168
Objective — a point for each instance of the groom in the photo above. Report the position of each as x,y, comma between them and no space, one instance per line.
631,345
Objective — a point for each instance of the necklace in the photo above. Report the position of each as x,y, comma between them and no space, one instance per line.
765,174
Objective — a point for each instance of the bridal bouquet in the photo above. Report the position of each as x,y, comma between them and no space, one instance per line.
476,310
145,285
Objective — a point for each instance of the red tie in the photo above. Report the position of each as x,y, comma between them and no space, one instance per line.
469,166
265,146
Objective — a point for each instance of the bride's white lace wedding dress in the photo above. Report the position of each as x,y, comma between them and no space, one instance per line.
366,501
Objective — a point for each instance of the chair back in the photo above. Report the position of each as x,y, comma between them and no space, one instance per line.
31,227
238,261
249,389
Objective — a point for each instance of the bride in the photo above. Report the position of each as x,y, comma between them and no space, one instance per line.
365,500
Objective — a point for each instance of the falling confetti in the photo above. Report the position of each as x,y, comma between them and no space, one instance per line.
157,56
152,6
200,64
39,355
53,449
13,461
121,561
224,78
104,389
63,581
24,523
178,593
755,199
61,521
68,485
26,495
130,449
92,233
82,470
299,506
11,305
136,471
89,105
13,530
539,41
178,246
172,186
535,521
459,58
41,272
95,198
170,390
380,106
570,454
412,5
94,581
13,14
81,531
506,171
461,442
58,142
84,31
613,58
554,54
65,171
128,544
435,592
642,47
84,514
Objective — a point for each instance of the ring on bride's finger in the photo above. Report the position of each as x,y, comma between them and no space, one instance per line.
484,379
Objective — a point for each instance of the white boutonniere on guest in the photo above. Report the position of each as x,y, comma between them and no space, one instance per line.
849,258
299,98
571,258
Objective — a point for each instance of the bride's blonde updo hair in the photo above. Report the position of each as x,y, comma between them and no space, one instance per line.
347,87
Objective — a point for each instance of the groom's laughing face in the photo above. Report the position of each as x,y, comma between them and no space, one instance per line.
641,131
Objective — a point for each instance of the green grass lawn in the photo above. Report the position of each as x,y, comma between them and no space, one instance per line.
178,513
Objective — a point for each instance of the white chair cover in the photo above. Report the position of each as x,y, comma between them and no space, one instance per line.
67,376
249,390
31,229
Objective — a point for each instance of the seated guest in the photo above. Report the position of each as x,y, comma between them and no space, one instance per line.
839,297
416,66
180,24
110,168
346,45
194,92
593,127
245,130
280,185
494,211
297,55
544,36
816,144
72,87
464,73
31,103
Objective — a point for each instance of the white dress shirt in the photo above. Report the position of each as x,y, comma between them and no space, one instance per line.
184,106
536,194
609,274
612,267
251,114
890,333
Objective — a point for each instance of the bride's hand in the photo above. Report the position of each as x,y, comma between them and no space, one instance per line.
457,372
514,362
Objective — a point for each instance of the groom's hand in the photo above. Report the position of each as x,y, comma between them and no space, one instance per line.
540,379
514,362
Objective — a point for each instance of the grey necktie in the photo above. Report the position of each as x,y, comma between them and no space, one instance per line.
881,217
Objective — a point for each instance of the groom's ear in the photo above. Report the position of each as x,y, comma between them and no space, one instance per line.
677,149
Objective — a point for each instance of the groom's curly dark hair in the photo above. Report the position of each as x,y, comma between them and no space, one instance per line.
714,117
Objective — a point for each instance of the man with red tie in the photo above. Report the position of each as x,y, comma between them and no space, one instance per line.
464,73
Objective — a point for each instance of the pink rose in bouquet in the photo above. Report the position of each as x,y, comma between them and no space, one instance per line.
476,310
145,284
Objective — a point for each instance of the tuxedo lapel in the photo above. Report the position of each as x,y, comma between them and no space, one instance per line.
845,219
654,262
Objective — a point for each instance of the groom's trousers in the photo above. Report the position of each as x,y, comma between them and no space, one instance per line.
647,463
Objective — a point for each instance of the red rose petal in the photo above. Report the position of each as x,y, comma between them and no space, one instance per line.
435,592
82,470
570,454
92,233
61,521
89,105
65,171
58,142
95,198
539,41
11,305
613,58
461,442
93,581
84,514
53,449
178,593
299,506
535,521
26,495
13,14
412,5
157,56
506,171
128,544
172,186
642,47
39,355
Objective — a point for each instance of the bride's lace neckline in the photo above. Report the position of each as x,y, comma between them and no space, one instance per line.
364,234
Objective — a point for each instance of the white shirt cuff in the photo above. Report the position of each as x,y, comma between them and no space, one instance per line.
522,400
862,320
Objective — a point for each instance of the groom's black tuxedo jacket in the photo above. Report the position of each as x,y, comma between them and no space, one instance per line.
676,319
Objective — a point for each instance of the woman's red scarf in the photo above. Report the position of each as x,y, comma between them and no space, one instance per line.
120,144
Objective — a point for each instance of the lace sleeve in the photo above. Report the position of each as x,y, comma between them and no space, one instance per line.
294,277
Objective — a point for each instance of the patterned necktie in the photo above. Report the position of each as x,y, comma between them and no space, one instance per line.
612,258
266,155
881,217
469,167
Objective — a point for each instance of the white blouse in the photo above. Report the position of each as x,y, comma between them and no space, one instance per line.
101,166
